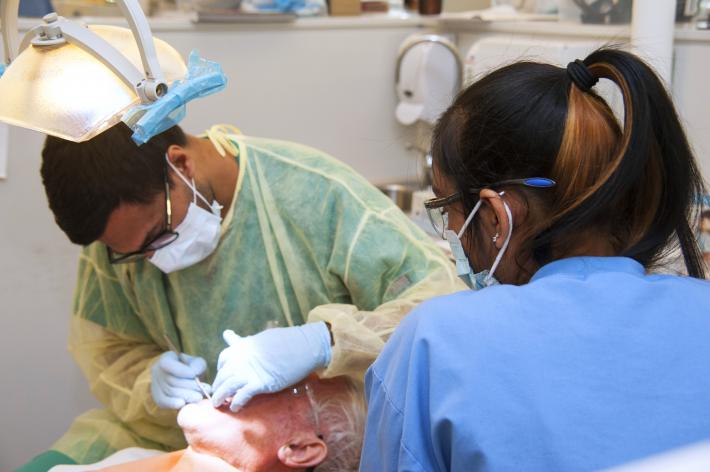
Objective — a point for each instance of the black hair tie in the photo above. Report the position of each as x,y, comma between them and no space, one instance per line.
581,76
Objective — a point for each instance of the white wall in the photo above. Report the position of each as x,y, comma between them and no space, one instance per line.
332,89
42,389
691,92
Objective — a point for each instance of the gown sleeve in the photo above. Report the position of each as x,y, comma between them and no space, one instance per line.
115,352
389,268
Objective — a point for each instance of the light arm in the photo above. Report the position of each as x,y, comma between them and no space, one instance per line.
141,31
9,11
149,86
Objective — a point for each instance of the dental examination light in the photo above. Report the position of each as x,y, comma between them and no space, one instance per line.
74,82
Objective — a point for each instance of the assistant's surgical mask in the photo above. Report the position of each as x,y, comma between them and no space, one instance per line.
198,233
484,278
704,242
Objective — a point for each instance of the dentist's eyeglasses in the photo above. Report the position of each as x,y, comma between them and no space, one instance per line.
162,239
436,207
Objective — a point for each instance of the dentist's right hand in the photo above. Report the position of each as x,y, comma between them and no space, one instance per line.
173,380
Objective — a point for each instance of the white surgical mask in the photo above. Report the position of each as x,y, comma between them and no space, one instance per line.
484,278
198,233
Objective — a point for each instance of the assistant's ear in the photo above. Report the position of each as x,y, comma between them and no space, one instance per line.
303,450
499,216
182,159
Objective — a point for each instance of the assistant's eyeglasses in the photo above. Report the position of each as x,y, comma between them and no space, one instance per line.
436,208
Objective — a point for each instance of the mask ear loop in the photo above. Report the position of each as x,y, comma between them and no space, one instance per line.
470,217
499,257
463,267
214,206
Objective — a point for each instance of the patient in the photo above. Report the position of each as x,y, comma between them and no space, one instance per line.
315,423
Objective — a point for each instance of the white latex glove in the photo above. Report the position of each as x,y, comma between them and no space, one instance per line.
173,383
268,362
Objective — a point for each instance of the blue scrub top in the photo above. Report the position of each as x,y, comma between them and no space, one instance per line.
590,365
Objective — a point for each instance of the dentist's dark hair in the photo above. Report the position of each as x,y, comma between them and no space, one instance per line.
85,182
636,184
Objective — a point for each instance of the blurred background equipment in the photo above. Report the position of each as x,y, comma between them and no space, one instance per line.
429,7
686,10
400,194
605,11
72,8
703,15
35,8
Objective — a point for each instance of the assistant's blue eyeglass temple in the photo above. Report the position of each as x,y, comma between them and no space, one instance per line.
540,182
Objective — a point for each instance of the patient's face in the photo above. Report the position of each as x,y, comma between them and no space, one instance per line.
249,439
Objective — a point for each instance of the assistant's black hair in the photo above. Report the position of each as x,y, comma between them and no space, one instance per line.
634,183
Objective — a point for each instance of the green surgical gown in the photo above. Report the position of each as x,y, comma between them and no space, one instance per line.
306,239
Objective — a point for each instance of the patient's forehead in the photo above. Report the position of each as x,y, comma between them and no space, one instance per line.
285,402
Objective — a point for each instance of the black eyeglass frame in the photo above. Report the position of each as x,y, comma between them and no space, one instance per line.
162,239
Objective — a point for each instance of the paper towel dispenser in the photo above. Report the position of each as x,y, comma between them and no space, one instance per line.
429,74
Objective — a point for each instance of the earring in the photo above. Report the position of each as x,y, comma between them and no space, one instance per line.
495,238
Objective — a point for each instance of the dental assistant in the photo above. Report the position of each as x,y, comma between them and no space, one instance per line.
573,356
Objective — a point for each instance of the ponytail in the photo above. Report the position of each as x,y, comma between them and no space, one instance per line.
635,183
645,186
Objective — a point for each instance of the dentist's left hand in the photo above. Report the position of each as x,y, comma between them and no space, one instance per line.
269,361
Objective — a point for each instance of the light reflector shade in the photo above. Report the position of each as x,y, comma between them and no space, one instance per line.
66,92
